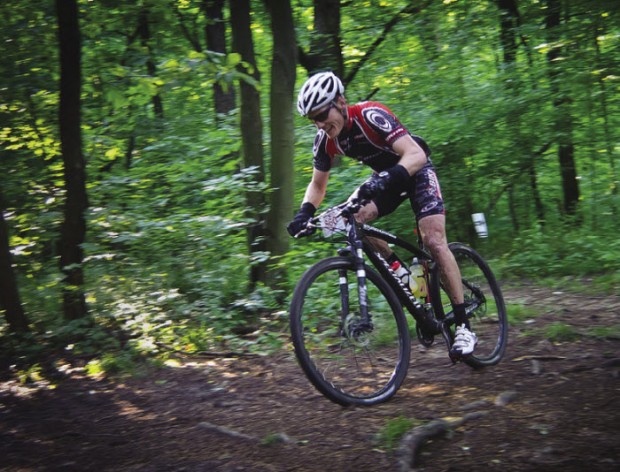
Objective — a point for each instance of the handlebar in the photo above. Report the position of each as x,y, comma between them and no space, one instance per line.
329,219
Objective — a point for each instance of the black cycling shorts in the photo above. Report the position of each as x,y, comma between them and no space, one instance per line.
424,194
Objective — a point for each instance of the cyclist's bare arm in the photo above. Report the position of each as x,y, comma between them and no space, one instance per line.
412,156
315,193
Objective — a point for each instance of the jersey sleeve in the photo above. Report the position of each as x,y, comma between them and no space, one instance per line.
321,158
383,122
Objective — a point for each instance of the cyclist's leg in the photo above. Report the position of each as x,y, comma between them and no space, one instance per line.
371,212
427,204
367,214
433,233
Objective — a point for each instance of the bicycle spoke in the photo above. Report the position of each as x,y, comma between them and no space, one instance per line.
368,362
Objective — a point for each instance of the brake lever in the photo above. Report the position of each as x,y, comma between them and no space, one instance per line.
307,231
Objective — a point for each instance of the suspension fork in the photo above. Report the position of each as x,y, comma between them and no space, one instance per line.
360,272
344,298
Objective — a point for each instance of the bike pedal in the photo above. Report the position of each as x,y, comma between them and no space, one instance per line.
455,358
424,339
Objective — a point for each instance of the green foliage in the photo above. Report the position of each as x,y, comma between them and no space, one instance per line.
560,332
273,439
564,251
30,375
393,431
121,363
605,332
518,313
167,263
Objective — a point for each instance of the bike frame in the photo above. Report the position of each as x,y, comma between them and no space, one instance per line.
357,237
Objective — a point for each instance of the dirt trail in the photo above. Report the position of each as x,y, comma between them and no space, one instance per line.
547,406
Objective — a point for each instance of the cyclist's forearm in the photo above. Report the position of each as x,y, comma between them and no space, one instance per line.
412,156
314,195
317,188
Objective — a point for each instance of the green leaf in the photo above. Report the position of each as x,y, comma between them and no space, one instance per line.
233,59
116,98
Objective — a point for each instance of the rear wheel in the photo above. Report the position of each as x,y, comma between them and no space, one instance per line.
347,360
485,305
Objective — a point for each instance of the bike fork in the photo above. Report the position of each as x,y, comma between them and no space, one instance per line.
360,275
360,272
344,298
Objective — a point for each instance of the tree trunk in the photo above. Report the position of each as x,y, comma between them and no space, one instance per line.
283,72
145,37
9,294
563,122
538,204
215,32
597,33
73,229
509,15
325,44
251,135
509,24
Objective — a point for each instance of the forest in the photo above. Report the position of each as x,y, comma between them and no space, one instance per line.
151,156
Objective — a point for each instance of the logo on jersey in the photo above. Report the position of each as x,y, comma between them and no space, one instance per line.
317,141
379,118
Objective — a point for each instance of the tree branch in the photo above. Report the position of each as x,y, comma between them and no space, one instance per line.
408,10
525,166
192,38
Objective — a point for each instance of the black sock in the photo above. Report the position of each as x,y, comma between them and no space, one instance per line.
460,317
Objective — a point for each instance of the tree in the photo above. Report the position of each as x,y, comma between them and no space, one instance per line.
145,39
325,43
215,32
10,302
562,121
283,66
73,230
251,125
510,22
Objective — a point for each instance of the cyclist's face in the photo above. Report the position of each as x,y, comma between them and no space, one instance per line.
329,119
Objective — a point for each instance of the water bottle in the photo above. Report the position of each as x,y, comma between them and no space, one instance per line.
417,282
401,272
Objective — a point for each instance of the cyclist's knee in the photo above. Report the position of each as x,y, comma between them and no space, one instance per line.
436,244
433,232
367,213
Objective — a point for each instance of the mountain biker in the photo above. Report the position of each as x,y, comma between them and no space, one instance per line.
369,132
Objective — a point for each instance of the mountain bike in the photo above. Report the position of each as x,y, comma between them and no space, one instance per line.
348,327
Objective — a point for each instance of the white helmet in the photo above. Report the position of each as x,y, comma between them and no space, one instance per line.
318,91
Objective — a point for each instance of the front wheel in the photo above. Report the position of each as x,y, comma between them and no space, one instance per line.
484,304
348,359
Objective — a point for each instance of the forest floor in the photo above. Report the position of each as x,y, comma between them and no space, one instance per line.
548,406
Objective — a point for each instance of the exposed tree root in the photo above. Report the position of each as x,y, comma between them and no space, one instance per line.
413,441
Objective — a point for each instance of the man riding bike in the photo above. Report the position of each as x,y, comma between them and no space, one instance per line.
369,132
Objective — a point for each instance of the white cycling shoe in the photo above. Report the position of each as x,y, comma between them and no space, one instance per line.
464,341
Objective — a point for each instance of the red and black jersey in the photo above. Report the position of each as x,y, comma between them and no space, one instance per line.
368,137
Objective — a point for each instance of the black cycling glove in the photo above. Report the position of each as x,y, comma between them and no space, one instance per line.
395,178
300,222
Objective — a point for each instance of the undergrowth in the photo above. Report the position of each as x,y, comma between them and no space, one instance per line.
569,257
393,431
146,307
